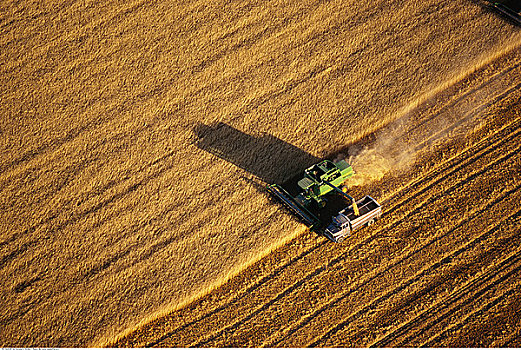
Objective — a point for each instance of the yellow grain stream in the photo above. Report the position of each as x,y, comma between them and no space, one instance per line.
111,213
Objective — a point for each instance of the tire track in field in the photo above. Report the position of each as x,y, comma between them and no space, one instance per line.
475,214
339,258
482,255
236,298
389,294
127,176
446,109
463,294
468,179
438,135
96,192
446,131
458,162
78,216
477,311
434,172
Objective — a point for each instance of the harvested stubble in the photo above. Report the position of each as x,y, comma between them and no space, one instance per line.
110,213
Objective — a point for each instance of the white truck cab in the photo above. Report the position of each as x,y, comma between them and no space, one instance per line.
346,221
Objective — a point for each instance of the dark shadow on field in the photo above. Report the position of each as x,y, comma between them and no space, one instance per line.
508,10
265,156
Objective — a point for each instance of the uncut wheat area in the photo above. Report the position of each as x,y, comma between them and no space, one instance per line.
136,138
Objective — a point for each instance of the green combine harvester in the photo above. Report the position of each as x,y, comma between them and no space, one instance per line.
310,205
320,179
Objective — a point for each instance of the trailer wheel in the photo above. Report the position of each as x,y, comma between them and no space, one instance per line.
370,222
340,239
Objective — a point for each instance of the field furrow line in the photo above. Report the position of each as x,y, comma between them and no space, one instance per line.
241,295
466,94
455,164
78,216
336,328
514,289
285,333
339,258
402,286
464,293
469,178
129,177
436,136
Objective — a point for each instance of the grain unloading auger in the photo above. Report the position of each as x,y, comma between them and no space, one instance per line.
319,180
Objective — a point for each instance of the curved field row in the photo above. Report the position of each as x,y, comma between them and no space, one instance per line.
322,282
432,315
430,290
472,300
117,203
433,182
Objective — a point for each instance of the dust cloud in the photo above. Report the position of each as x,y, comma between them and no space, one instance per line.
390,152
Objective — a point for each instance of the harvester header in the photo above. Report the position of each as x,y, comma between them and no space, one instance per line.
311,206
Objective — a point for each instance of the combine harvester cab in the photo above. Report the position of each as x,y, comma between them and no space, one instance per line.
347,220
311,207
314,186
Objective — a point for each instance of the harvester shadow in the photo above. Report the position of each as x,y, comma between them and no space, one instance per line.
270,160
265,156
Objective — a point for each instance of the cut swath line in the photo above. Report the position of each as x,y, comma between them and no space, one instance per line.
446,108
242,294
436,136
403,286
456,163
458,157
305,320
440,195
333,330
325,267
477,311
463,292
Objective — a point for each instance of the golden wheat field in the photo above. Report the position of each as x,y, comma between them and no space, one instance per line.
137,137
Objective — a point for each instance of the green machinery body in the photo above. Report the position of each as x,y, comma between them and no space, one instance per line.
318,178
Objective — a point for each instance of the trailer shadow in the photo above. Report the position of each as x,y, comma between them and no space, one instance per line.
265,156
